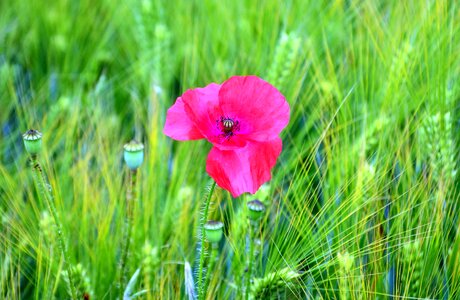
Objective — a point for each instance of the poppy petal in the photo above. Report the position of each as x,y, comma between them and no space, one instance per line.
244,169
202,107
178,124
259,107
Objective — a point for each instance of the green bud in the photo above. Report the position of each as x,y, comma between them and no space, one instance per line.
213,231
256,210
32,141
134,154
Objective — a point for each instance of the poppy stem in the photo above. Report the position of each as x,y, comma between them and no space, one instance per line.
44,190
127,229
203,220
252,230
212,262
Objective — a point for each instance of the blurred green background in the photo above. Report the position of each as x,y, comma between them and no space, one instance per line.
363,203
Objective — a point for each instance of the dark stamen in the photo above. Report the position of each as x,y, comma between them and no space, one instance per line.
227,125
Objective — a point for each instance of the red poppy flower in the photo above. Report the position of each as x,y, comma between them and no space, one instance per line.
242,118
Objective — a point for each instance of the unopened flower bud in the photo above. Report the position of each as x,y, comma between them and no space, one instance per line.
32,141
134,154
256,210
213,231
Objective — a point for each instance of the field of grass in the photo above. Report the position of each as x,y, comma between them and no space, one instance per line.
364,200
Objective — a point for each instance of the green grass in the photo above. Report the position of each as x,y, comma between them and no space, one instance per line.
367,169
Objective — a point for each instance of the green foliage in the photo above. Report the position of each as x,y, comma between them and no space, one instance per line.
274,283
436,135
369,167
82,282
150,262
412,261
285,59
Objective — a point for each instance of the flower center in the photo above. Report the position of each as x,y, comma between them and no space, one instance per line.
228,127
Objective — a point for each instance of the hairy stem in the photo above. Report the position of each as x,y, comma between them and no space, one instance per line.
127,229
41,183
252,230
203,220
212,262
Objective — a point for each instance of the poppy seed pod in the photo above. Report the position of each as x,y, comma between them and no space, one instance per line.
134,154
32,141
213,231
256,210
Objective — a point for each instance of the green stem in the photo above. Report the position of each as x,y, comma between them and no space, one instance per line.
46,194
212,262
127,230
203,220
252,230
